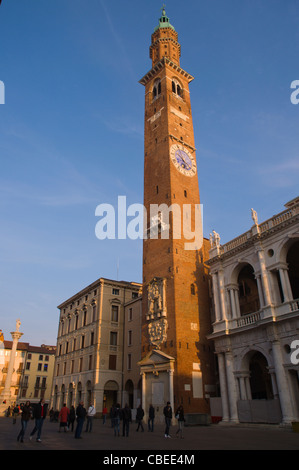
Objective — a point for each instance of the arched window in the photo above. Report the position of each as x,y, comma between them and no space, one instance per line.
177,88
157,89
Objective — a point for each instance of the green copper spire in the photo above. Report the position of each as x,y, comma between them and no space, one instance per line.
163,21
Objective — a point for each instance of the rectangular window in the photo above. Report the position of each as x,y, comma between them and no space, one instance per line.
114,314
94,313
129,361
130,338
80,364
113,340
115,291
45,367
130,314
90,363
112,362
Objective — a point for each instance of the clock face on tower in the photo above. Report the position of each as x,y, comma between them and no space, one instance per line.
183,160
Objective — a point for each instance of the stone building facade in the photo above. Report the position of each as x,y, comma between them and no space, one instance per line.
32,372
89,363
256,319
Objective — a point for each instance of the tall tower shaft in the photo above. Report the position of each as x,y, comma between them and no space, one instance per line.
175,318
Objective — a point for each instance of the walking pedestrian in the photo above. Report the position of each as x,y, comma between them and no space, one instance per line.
63,417
15,414
151,418
39,414
139,418
80,413
25,417
90,415
127,419
71,418
104,414
181,419
115,418
168,417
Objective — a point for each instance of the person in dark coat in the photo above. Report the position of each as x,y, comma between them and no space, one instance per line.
139,418
168,417
39,414
80,413
181,419
151,417
71,419
127,419
25,417
115,418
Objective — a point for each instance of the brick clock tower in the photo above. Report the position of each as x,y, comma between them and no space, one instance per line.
177,362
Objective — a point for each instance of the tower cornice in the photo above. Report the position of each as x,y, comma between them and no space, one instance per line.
159,66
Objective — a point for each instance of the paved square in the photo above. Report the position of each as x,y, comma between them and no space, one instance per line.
196,438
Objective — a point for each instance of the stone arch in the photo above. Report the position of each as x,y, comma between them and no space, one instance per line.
111,389
88,393
78,393
62,395
129,393
244,279
248,352
293,264
55,398
256,363
70,395
288,256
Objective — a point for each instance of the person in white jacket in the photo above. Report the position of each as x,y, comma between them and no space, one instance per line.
90,415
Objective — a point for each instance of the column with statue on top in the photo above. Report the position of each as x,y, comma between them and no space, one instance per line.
5,398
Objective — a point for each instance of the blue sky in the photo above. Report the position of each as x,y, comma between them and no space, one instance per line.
71,133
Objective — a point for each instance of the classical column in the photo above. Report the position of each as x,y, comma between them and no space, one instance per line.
171,398
216,296
223,388
260,290
222,294
243,391
233,302
286,297
288,284
16,335
143,389
282,385
264,275
231,385
237,303
248,388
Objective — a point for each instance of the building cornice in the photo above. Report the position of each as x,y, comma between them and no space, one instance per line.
159,66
